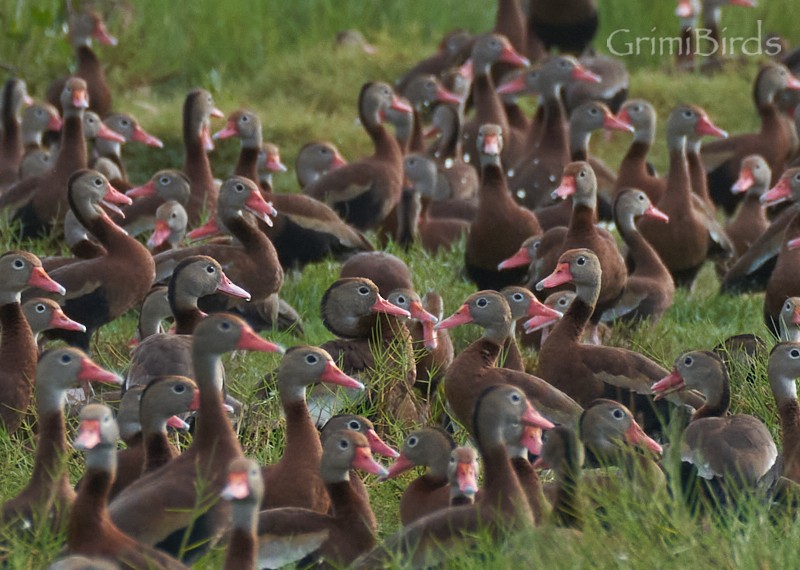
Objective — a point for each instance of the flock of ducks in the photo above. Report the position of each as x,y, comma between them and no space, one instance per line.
525,193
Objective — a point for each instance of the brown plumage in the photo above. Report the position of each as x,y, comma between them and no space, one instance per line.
90,531
782,370
649,288
47,497
294,481
569,26
158,508
683,242
386,270
486,248
783,280
454,49
364,191
634,170
163,186
13,95
289,534
773,141
45,314
198,108
586,372
19,270
101,289
83,28
750,220
476,367
736,451
244,490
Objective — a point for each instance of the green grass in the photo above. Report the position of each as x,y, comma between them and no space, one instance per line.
277,58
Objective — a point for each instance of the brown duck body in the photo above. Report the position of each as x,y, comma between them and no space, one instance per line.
11,145
18,350
365,191
783,280
101,289
486,248
782,371
570,26
197,107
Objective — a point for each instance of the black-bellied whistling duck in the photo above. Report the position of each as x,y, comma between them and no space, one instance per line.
538,253
752,271
81,245
20,270
584,120
154,310
269,162
735,451
523,305
587,372
612,89
569,26
386,270
454,49
500,414
198,108
427,447
129,128
488,50
289,535
649,288
789,320
634,170
365,322
457,180
294,481
164,354
48,495
170,227
91,531
722,158
423,92
547,144
245,490
485,246
14,96
160,404
159,507
683,242
250,260
43,199
476,367
37,119
783,369
562,452
163,186
83,28
578,181
433,348
414,219
783,280
462,476
46,314
750,219
366,428
511,23
101,289
611,435
365,191
35,163
304,230
537,329
314,160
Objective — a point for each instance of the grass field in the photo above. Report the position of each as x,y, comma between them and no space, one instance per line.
278,58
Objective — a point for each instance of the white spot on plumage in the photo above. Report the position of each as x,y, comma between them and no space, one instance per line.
521,193
448,163
511,173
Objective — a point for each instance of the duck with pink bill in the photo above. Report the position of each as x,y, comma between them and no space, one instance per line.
45,314
254,204
114,197
170,227
410,301
782,191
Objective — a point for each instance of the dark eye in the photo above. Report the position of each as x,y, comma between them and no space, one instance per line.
452,460
354,425
518,296
173,215
797,177
536,245
618,414
39,112
412,441
794,353
581,260
65,359
582,174
562,301
688,114
563,64
482,302
224,326
363,290
125,123
39,308
787,306
239,187
401,300
688,361
344,444
593,111
98,182
18,264
164,180
515,398
311,359
210,269
324,150
179,388
641,197
245,118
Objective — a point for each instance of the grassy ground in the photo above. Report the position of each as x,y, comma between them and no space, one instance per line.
278,59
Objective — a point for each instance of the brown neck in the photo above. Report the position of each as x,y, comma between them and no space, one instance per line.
790,429
645,259
488,106
203,193
89,67
569,330
635,161
89,519
502,489
716,409
351,509
157,451
678,180
698,175
50,467
72,155
531,485
242,553
247,165
302,440
582,220
251,238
